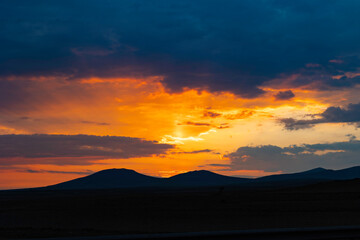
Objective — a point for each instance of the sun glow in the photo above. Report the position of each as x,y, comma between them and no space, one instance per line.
202,126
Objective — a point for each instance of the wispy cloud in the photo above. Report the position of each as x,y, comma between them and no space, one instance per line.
27,170
195,151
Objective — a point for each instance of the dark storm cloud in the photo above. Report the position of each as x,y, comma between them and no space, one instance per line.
351,114
215,45
296,157
284,95
326,78
73,149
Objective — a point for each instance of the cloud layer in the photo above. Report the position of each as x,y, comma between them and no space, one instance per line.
350,114
231,46
296,157
73,149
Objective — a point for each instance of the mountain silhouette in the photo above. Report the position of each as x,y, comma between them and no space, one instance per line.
125,178
204,178
315,174
110,178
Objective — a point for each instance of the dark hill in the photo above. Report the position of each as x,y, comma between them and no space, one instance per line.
348,173
315,174
124,178
111,178
204,178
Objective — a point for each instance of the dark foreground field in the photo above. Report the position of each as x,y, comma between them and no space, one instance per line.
44,213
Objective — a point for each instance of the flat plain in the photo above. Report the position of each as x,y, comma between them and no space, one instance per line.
61,213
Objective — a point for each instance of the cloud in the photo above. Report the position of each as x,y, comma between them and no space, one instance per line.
293,124
211,114
235,46
201,124
229,116
96,123
284,95
323,79
351,137
295,157
73,149
223,126
196,151
350,114
240,115
87,172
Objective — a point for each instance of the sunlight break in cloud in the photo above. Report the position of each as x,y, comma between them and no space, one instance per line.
180,140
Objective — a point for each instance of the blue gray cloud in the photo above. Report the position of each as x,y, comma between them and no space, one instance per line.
73,149
284,95
334,114
216,45
295,158
29,170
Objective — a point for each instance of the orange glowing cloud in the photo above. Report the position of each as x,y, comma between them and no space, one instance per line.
142,108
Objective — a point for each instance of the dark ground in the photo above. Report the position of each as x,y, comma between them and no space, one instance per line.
44,213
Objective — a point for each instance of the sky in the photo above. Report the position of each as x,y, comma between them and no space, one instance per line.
242,88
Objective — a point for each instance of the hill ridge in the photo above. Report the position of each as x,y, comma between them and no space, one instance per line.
128,178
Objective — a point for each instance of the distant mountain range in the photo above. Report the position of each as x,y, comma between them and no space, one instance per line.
125,178
316,174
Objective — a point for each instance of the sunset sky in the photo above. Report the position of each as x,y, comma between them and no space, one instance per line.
242,88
